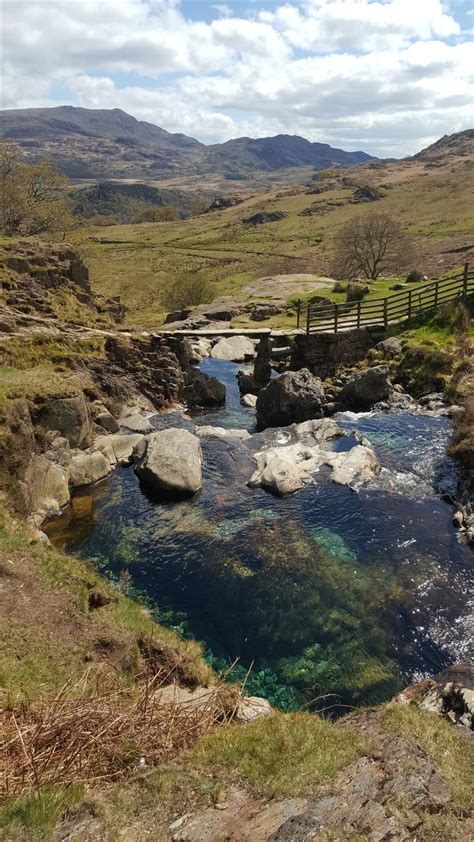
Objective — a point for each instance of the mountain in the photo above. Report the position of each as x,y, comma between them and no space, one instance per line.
459,145
107,144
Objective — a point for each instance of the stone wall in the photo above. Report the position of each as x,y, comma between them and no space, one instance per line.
323,353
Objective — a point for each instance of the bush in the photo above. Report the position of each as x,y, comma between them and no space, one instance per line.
339,286
356,292
413,276
187,290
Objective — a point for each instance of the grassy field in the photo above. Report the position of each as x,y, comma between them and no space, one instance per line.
138,262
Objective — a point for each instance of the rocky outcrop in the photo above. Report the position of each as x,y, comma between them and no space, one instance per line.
324,353
32,274
366,389
170,462
285,469
293,396
70,416
234,349
221,433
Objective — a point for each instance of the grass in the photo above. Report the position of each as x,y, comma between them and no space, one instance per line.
38,813
283,756
138,261
450,751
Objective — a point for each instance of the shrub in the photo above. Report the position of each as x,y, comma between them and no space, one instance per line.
413,276
187,290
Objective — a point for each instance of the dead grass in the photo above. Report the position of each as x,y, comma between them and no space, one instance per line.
90,737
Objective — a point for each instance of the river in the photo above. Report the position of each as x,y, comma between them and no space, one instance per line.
328,594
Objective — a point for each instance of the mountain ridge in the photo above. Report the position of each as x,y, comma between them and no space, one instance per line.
98,143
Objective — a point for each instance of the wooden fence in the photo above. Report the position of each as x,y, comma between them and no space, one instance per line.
399,307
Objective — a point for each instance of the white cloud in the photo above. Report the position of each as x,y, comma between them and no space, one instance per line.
383,76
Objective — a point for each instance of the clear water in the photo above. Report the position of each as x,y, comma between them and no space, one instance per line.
325,591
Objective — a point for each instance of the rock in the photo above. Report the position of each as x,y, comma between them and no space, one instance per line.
70,416
248,400
118,449
285,469
293,396
137,423
233,349
171,462
367,194
261,312
253,707
103,418
458,519
220,432
449,694
49,488
390,347
366,388
202,390
88,468
262,218
354,466
199,349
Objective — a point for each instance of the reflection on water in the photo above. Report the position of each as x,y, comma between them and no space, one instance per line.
325,591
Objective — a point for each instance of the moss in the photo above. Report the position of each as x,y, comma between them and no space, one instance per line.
449,749
282,756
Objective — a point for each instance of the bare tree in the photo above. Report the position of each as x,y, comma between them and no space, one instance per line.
370,246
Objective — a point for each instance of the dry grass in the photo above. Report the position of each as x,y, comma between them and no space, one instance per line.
75,738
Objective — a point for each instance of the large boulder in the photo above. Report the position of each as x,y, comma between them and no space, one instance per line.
234,349
49,487
293,396
170,462
283,470
366,388
103,418
71,417
87,468
202,390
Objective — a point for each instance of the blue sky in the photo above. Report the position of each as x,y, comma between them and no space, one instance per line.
386,76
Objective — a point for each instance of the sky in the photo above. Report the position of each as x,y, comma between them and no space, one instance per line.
385,76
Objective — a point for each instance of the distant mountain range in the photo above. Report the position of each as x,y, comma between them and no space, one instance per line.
96,144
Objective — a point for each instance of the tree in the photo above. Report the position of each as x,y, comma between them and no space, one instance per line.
369,246
33,197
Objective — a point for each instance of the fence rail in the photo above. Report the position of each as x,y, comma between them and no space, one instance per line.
399,307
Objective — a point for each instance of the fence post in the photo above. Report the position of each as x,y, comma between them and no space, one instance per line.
359,305
409,303
307,318
336,316
385,313
436,294
464,278
298,314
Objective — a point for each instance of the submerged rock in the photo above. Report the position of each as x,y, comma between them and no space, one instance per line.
220,432
293,396
234,349
283,470
170,461
366,388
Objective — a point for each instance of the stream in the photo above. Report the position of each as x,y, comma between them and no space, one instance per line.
325,593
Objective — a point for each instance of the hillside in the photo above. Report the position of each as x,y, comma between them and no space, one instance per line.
127,202
460,145
103,144
434,205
